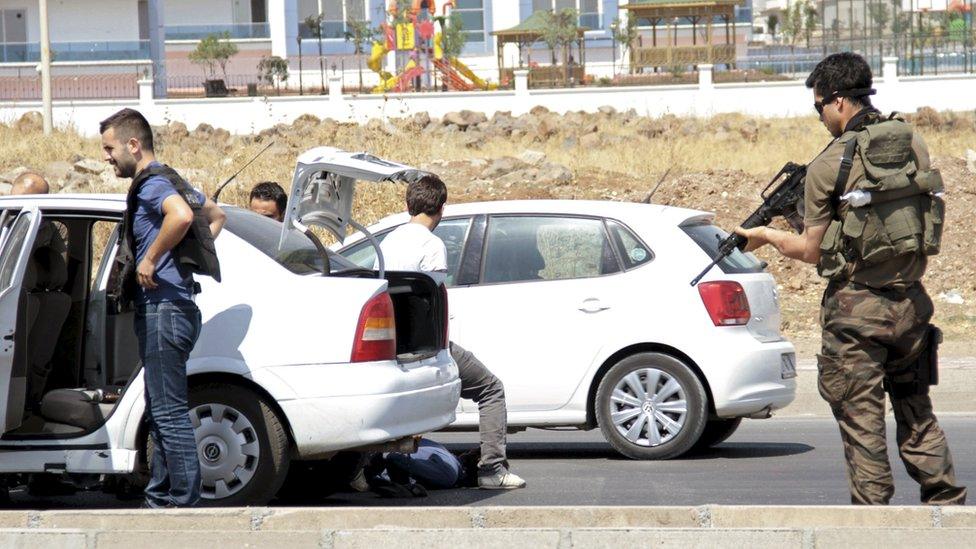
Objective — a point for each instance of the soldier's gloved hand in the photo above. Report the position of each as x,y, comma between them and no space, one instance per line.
756,237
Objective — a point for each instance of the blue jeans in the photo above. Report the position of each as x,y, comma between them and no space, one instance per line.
167,332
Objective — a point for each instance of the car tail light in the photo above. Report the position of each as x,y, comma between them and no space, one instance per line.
726,302
447,318
376,331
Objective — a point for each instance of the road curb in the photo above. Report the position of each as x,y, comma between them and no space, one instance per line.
295,519
503,538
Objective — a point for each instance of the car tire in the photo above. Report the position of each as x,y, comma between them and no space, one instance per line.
716,432
313,481
622,401
228,420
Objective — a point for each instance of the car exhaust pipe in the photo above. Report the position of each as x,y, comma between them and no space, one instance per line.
765,413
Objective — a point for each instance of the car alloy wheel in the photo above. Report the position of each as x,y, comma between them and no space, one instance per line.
648,407
651,406
228,449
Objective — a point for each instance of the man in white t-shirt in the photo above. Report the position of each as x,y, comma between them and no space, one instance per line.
413,247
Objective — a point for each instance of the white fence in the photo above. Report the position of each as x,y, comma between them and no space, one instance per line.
252,114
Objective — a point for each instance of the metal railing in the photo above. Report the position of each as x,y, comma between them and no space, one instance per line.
917,55
236,31
73,82
30,52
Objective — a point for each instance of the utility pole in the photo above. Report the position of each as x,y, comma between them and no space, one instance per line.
47,110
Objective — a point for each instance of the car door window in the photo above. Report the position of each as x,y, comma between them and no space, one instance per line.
523,248
633,252
453,232
363,253
11,251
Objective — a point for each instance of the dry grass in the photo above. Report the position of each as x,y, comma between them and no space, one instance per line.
718,164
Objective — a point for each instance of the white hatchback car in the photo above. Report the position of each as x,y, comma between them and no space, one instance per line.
301,354
585,312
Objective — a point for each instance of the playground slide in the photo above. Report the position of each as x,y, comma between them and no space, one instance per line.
470,75
375,64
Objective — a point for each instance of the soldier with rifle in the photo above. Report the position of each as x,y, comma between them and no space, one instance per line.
873,214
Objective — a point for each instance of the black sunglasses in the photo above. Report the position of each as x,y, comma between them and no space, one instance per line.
819,105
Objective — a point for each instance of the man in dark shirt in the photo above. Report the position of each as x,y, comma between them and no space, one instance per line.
269,199
167,320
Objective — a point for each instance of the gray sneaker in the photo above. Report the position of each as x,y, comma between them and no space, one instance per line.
500,481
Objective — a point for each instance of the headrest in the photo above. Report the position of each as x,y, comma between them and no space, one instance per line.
52,272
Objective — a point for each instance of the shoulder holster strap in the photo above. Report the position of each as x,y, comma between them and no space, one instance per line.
844,174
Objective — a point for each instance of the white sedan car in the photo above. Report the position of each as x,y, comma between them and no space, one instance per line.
302,355
585,312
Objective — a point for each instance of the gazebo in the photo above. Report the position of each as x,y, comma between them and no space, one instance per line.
668,12
524,35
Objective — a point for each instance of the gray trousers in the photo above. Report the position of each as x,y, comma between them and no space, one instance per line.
481,386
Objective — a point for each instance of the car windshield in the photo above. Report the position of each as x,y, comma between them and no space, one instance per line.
299,255
708,237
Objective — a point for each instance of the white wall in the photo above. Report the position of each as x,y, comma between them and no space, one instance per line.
74,21
248,115
82,20
199,12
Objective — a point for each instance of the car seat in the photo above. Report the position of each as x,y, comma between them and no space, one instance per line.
50,274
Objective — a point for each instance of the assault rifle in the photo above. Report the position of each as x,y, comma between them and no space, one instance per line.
784,200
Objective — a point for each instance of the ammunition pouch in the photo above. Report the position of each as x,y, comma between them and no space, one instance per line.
833,263
921,374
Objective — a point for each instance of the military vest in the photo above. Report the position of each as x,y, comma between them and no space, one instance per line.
196,252
895,209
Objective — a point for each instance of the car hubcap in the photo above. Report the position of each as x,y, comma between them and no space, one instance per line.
648,407
228,449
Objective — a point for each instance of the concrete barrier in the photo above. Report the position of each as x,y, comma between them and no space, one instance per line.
501,538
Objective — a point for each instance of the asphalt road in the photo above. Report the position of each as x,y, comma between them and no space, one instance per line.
775,461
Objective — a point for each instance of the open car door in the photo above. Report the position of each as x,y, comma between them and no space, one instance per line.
15,250
323,185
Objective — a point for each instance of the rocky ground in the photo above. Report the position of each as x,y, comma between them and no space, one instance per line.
718,164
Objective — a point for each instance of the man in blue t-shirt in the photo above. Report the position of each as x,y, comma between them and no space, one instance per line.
167,320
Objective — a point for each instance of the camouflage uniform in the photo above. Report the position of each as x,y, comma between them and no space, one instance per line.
875,324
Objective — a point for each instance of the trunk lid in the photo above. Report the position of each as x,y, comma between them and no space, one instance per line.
759,286
323,184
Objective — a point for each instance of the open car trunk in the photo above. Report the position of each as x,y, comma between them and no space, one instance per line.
322,193
419,309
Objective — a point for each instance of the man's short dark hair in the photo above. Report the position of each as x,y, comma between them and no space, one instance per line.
269,190
426,195
129,123
840,72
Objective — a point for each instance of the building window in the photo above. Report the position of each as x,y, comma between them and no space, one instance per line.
472,14
589,10
335,13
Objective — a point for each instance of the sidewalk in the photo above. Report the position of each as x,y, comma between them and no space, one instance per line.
712,526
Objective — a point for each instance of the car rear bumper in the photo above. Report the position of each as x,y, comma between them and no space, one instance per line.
347,406
749,380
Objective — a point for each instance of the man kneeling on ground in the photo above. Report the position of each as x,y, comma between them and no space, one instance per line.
413,247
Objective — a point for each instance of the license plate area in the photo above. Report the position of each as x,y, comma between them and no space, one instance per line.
787,369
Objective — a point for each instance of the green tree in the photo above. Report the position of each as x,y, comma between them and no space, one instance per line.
880,16
809,20
453,37
625,34
274,71
771,23
212,52
314,25
361,35
559,31
793,17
